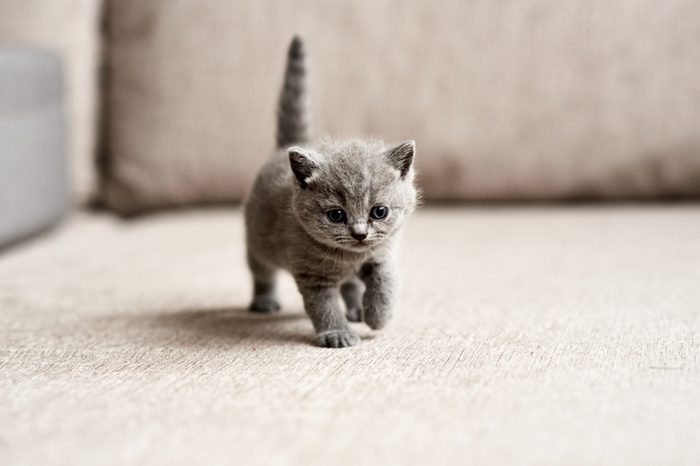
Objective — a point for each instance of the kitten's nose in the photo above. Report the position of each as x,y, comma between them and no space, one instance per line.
358,236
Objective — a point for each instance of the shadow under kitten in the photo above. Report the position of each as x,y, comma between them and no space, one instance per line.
218,327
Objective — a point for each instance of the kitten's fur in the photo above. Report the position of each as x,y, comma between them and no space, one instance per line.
287,225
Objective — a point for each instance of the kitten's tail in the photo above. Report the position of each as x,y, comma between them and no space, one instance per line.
292,109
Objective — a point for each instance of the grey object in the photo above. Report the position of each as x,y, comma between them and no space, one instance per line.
330,214
33,173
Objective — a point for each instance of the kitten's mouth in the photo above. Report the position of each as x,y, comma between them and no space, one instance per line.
356,245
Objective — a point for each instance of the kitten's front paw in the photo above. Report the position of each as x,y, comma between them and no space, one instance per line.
354,314
337,338
376,319
264,304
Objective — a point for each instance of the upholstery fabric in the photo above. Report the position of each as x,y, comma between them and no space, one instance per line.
537,99
525,336
71,29
34,190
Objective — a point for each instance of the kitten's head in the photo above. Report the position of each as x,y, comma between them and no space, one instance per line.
353,195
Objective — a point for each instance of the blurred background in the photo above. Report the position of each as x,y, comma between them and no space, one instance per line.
172,103
550,311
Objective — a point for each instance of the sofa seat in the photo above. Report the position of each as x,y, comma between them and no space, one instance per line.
526,335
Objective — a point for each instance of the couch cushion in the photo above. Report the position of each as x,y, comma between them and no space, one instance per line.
525,336
70,28
523,100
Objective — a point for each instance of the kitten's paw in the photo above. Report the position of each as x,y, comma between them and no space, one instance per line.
264,304
337,338
375,319
354,314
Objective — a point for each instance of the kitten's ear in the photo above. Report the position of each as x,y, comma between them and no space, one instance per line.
401,157
303,165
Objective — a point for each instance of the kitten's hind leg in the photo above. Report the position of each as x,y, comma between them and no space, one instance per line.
264,287
352,291
381,294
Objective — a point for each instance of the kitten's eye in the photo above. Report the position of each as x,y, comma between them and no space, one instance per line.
336,215
379,212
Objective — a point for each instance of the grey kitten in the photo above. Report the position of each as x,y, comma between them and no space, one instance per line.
329,212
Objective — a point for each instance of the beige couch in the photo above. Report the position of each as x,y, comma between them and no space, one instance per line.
527,333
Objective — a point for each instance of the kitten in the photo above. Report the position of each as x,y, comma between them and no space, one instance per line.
328,212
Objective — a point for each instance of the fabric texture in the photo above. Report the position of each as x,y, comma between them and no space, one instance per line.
71,29
539,99
525,336
33,173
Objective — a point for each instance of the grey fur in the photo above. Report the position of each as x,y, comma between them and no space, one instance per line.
352,292
293,109
287,226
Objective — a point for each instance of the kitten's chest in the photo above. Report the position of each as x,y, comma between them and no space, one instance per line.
332,264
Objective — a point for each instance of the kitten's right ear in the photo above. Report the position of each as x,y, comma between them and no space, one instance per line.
401,157
303,165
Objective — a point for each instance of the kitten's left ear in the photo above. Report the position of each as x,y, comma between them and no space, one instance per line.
303,165
401,157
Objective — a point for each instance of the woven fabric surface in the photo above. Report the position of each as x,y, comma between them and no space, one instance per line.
525,336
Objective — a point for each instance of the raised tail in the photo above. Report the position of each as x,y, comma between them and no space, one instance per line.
292,110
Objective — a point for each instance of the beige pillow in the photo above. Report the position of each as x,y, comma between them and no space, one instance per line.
70,28
516,100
